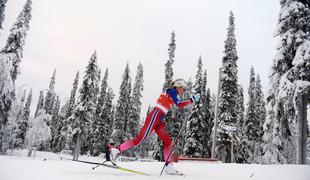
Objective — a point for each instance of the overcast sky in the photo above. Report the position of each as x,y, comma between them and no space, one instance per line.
64,33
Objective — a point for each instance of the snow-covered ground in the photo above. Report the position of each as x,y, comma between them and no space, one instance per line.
48,166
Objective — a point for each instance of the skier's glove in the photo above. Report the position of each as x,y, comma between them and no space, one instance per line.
195,98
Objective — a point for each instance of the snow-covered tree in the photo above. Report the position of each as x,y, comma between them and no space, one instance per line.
71,103
9,131
169,63
194,138
289,81
7,87
251,121
10,57
243,147
38,132
240,108
56,108
213,104
98,127
123,108
50,96
23,123
56,124
207,120
2,8
200,122
108,114
260,108
251,125
63,139
229,90
158,150
184,114
16,39
83,114
134,120
102,93
40,104
102,129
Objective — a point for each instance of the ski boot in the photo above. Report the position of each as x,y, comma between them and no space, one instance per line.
112,153
171,170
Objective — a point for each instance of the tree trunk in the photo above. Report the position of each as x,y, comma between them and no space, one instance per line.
216,116
77,147
302,130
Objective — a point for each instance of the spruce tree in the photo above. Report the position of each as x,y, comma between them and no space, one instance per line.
136,102
56,108
169,63
10,130
71,103
10,57
23,123
261,117
184,115
50,96
123,108
250,129
243,147
194,138
200,124
2,8
240,108
40,104
289,80
103,93
260,105
83,114
63,141
103,129
16,39
251,122
98,137
108,114
207,118
56,124
213,104
229,91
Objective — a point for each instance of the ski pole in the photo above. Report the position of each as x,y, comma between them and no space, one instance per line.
173,146
98,165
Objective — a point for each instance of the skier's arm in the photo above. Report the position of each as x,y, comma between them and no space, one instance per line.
184,103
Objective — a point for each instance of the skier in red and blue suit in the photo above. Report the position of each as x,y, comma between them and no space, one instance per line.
155,122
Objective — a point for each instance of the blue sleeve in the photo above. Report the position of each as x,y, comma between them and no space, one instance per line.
174,95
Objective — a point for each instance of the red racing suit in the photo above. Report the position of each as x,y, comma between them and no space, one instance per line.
154,121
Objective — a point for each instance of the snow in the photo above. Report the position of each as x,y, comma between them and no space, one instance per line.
302,54
19,167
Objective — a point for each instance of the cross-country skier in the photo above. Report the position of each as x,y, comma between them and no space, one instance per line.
155,121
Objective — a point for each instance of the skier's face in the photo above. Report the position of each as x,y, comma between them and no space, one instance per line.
180,91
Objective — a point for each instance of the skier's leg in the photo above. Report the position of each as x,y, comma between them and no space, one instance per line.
165,137
149,124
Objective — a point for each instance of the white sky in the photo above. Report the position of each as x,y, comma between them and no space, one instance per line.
64,33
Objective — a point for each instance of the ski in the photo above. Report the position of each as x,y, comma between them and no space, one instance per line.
111,166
